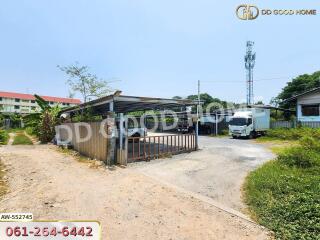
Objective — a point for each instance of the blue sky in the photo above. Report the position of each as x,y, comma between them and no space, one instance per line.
156,48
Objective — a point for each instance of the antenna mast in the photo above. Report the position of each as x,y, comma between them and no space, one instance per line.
249,64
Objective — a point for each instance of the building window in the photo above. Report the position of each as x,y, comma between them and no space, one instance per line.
16,107
17,100
51,102
0,98
310,110
33,101
33,108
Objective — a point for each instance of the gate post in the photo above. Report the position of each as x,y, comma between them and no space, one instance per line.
197,136
111,145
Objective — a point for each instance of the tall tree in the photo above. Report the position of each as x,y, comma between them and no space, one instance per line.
177,97
207,99
299,85
82,81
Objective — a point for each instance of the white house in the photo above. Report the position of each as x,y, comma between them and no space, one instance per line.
308,105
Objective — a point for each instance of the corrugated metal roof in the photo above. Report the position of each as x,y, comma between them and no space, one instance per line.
125,104
301,94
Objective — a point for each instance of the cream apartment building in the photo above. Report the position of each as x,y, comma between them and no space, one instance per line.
11,102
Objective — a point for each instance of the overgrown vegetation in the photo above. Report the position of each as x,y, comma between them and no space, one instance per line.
284,194
30,131
4,137
292,133
13,118
43,124
21,139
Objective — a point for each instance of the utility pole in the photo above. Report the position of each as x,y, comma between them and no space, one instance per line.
249,59
198,110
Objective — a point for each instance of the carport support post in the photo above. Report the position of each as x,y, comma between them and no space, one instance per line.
216,118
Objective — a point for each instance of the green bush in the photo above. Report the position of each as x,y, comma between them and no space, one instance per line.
30,131
299,156
4,137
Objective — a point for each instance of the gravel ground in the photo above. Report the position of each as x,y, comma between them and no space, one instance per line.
129,205
217,171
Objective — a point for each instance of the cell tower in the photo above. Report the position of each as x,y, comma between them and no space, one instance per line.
249,64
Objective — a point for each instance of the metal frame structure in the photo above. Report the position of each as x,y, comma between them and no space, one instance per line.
249,59
116,107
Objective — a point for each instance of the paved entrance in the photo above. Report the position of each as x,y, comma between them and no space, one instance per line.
216,171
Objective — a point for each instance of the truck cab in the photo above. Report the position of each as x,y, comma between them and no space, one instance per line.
241,125
249,123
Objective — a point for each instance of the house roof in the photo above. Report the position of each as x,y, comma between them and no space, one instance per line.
31,97
302,94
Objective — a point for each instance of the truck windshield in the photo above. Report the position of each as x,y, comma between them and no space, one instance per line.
238,122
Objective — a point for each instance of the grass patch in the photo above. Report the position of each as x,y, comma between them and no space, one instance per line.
284,194
14,130
21,139
80,158
4,137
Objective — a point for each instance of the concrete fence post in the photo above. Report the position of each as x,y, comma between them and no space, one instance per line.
111,145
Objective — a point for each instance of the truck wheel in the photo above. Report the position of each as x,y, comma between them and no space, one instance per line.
234,137
250,135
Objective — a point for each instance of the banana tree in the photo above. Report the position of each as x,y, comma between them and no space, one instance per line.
43,123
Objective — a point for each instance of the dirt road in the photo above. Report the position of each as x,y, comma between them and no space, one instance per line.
128,204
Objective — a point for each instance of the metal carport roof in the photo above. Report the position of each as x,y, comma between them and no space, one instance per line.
124,104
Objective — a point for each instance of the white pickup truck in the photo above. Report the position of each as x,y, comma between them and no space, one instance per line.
249,122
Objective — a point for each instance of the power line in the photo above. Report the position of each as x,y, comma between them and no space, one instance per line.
256,80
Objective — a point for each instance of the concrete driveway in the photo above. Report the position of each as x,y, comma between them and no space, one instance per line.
217,171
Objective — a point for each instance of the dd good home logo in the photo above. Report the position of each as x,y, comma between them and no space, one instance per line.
247,12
